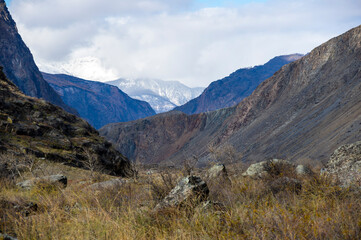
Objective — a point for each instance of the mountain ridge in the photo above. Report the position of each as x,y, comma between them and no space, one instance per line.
98,103
230,90
304,111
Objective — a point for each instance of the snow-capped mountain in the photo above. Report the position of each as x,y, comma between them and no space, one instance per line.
161,95
90,68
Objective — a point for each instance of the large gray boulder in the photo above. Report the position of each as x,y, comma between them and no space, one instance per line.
219,174
58,180
190,190
345,164
263,169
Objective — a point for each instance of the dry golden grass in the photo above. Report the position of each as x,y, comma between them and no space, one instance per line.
321,210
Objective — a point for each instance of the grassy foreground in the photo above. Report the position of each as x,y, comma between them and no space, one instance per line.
321,210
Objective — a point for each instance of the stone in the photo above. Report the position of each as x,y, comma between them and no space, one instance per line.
263,169
303,170
345,164
190,190
60,180
111,184
218,175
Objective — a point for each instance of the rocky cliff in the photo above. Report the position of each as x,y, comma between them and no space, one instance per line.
32,126
231,90
19,65
98,103
305,110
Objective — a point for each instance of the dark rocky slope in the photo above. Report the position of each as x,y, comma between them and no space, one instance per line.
98,103
32,126
304,111
231,90
19,65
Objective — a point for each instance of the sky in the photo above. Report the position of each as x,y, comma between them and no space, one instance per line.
191,41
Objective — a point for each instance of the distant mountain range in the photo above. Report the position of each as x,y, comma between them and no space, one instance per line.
98,103
163,96
230,90
304,111
19,65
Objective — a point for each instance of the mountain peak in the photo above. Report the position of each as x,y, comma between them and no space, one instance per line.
19,65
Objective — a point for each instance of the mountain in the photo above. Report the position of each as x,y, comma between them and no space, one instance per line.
304,111
163,96
98,103
230,90
19,65
32,126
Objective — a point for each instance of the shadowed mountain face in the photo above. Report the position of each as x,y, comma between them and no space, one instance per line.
33,126
230,90
19,65
304,111
98,103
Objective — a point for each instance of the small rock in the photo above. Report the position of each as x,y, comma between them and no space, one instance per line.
111,184
53,180
303,170
263,169
191,189
218,172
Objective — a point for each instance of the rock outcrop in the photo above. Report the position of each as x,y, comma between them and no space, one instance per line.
189,191
96,102
266,168
345,164
304,111
32,126
110,184
218,173
56,180
19,65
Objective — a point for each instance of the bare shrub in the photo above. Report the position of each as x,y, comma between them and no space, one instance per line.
189,165
12,166
160,187
227,155
92,163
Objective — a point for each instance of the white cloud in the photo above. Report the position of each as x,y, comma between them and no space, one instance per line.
165,39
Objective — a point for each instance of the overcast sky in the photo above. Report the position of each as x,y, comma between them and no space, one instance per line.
192,41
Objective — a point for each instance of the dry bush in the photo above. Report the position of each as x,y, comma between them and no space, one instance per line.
12,166
162,185
227,155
